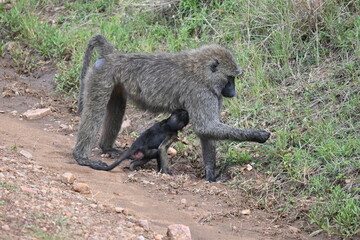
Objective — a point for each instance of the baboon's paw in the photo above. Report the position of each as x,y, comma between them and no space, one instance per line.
259,136
113,152
96,164
263,136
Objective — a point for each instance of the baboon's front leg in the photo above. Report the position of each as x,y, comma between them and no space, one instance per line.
209,158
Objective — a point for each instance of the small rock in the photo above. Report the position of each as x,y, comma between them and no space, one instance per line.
144,224
55,190
14,113
119,209
1,111
183,201
26,154
171,151
246,212
248,167
214,190
158,237
127,212
178,232
145,182
26,189
5,227
81,188
36,113
294,229
63,126
105,155
68,178
140,238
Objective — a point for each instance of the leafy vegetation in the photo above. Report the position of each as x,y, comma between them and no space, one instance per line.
301,63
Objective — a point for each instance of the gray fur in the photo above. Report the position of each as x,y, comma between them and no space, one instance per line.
160,82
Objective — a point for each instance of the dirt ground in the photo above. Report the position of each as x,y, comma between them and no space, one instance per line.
35,204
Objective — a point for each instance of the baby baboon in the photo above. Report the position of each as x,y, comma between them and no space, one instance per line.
153,143
194,80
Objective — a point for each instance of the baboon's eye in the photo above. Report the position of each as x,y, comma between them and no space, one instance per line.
213,66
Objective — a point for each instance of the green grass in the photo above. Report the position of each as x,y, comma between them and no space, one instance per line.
301,80
9,187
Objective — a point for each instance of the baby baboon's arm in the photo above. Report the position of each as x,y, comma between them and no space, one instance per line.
163,161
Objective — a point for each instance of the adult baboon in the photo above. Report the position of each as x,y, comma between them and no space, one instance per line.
194,80
153,143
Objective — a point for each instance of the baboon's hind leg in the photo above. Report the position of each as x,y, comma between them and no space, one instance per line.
95,103
113,119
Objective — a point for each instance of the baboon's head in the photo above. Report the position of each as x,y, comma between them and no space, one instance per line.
221,69
178,120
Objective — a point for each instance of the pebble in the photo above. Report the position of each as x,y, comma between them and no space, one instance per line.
158,237
119,209
55,190
68,178
171,151
5,227
81,188
246,212
64,126
214,190
144,224
32,114
183,201
26,189
294,229
248,167
178,232
26,154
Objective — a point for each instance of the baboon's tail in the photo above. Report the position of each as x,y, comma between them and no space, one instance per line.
123,156
104,47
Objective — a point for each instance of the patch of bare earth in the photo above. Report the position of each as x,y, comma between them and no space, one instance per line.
35,203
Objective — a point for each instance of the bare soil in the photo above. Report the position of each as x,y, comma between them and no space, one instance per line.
35,204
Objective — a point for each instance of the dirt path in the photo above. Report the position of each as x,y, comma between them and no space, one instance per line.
134,193
212,211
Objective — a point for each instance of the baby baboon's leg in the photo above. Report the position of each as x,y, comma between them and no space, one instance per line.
98,93
209,157
113,119
149,154
139,163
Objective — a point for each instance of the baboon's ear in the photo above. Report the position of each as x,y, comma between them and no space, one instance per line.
213,66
